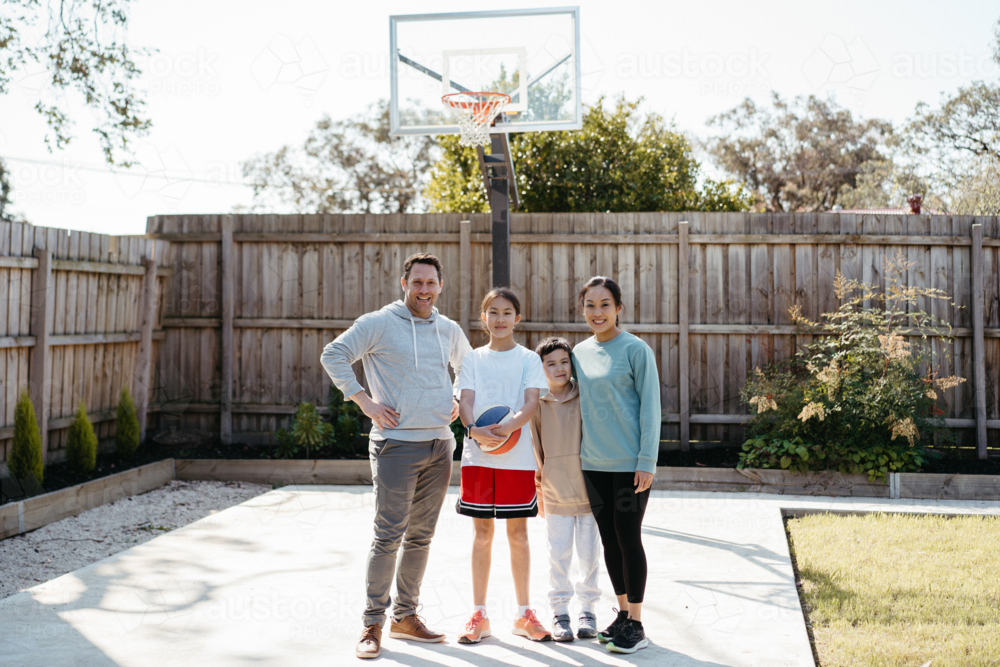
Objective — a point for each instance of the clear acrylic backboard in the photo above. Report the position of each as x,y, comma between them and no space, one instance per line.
530,54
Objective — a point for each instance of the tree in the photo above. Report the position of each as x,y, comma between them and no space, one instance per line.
350,165
81,442
885,184
25,458
619,161
798,155
6,214
958,144
83,49
126,426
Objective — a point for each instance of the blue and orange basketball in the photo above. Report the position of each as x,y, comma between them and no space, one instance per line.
497,414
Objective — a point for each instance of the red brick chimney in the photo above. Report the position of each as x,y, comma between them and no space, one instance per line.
914,202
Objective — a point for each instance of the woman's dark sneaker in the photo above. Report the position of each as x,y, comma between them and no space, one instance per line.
609,633
588,626
630,639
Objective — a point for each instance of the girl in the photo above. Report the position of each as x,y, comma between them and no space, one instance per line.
620,406
500,486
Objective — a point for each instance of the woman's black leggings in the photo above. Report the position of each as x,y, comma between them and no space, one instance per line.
618,510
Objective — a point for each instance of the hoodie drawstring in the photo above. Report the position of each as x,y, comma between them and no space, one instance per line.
413,327
440,347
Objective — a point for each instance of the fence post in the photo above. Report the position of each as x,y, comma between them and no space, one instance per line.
39,370
226,332
683,379
141,379
978,344
465,273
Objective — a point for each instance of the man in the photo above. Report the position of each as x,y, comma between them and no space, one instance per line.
405,348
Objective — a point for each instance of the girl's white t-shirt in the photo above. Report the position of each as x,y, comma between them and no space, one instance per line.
500,378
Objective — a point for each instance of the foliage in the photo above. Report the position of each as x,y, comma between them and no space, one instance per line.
25,457
796,455
126,425
6,214
958,144
885,184
309,432
620,161
81,442
346,417
798,155
547,100
84,50
350,165
863,396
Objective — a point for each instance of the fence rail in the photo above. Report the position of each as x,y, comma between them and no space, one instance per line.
78,320
714,292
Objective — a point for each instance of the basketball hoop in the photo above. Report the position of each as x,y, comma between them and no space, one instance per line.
476,112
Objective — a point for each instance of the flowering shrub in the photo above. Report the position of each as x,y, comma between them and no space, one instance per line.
862,397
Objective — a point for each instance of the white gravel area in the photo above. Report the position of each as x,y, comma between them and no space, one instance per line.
67,545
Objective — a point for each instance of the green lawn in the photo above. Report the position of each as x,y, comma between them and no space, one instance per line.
900,590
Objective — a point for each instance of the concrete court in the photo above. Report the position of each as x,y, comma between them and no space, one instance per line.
279,581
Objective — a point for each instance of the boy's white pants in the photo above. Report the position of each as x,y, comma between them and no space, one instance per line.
563,532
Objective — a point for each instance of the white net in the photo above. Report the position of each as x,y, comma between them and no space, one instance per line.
475,112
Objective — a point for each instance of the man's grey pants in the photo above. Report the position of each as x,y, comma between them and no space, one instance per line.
411,481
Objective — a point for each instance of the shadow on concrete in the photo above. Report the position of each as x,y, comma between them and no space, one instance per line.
583,653
753,553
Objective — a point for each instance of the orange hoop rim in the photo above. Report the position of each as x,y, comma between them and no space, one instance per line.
460,101
480,109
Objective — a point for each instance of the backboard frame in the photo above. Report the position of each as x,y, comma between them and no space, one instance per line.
546,126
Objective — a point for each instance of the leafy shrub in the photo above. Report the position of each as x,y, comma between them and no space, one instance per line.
126,425
25,457
796,455
862,397
81,442
347,421
308,431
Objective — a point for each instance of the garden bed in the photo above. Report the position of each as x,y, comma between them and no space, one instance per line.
32,513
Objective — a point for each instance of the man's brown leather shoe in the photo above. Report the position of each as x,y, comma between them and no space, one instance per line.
370,645
412,627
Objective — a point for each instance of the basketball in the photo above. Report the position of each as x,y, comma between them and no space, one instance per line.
497,414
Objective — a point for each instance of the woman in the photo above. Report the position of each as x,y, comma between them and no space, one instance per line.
620,406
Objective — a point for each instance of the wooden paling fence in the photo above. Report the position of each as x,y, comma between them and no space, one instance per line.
253,299
79,314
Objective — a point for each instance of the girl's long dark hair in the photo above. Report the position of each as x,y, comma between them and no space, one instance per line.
610,284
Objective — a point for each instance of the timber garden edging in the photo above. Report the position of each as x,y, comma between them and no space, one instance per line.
32,513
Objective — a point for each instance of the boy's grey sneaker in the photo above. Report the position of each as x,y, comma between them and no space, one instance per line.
588,626
561,631
630,639
608,633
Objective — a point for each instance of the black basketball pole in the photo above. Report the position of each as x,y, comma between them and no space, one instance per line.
498,169
500,207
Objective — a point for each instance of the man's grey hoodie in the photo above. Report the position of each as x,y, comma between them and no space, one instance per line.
406,364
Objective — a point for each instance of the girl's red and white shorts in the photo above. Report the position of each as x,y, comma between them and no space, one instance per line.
489,493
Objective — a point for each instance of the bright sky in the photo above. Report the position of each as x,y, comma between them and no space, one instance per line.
216,95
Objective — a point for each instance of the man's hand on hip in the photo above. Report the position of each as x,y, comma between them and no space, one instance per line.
454,408
381,415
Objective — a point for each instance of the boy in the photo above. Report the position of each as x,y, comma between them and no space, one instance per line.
562,494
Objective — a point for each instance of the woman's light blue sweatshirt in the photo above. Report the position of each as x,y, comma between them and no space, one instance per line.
619,403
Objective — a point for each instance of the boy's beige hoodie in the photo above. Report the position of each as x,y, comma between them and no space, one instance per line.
555,435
